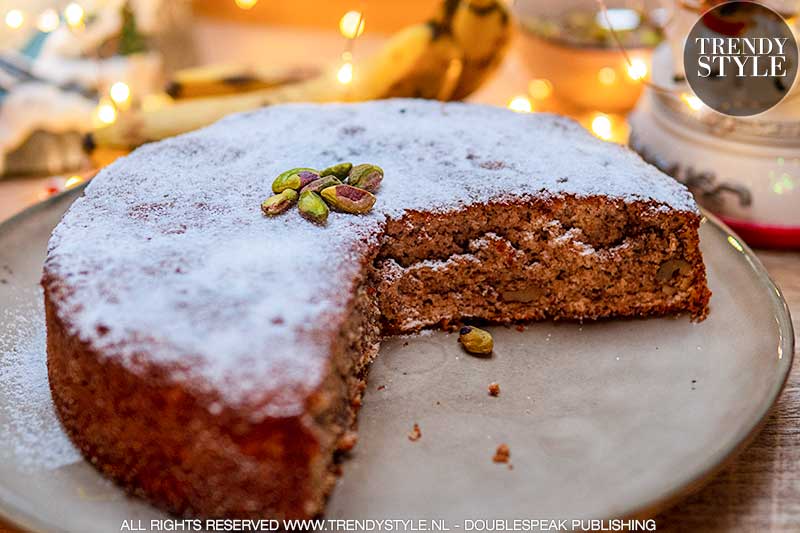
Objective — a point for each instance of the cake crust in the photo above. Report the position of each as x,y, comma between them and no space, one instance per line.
212,360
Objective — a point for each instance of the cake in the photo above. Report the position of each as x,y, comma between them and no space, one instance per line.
212,360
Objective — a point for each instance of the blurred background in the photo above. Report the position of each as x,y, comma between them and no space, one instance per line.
85,81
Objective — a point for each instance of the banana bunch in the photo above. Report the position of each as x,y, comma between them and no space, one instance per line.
446,58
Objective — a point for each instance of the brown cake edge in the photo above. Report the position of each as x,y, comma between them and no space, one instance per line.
160,441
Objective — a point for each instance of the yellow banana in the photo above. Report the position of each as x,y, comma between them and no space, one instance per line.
446,58
372,80
218,80
482,30
427,78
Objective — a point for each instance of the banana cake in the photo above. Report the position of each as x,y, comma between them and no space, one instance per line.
212,360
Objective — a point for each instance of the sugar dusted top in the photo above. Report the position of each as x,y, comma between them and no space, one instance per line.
168,259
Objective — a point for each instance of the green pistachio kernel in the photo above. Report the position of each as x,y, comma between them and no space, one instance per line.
349,199
313,207
476,340
278,203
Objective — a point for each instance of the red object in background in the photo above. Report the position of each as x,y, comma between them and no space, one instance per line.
765,235
724,27
731,20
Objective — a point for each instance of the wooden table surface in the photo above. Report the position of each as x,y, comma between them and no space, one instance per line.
759,491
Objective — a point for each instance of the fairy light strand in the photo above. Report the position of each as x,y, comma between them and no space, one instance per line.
351,26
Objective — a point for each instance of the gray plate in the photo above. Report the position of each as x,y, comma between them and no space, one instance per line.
607,419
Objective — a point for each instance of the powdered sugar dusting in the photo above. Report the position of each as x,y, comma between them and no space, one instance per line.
168,252
31,432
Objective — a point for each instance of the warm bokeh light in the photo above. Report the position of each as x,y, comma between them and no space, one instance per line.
106,113
73,181
351,25
246,4
607,75
540,89
601,126
48,20
637,70
694,103
618,19
73,14
520,104
345,74
120,92
15,19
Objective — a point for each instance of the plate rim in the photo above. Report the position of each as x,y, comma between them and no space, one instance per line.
17,516
695,483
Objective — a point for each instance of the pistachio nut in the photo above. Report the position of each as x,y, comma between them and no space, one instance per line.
339,170
476,340
278,203
321,183
313,207
348,199
366,176
295,178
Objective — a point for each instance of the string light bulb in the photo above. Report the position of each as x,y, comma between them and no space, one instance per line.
345,74
120,92
48,21
520,104
601,126
246,4
105,113
15,19
694,103
637,70
74,14
351,25
540,89
72,181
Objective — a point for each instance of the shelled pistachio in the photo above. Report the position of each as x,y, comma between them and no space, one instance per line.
295,178
313,207
349,199
278,203
366,176
321,183
340,170
476,340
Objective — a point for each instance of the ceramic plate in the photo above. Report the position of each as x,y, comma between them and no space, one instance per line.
606,419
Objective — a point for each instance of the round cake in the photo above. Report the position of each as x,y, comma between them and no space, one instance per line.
211,359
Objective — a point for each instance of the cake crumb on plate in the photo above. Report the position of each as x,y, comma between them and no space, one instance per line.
502,454
415,433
